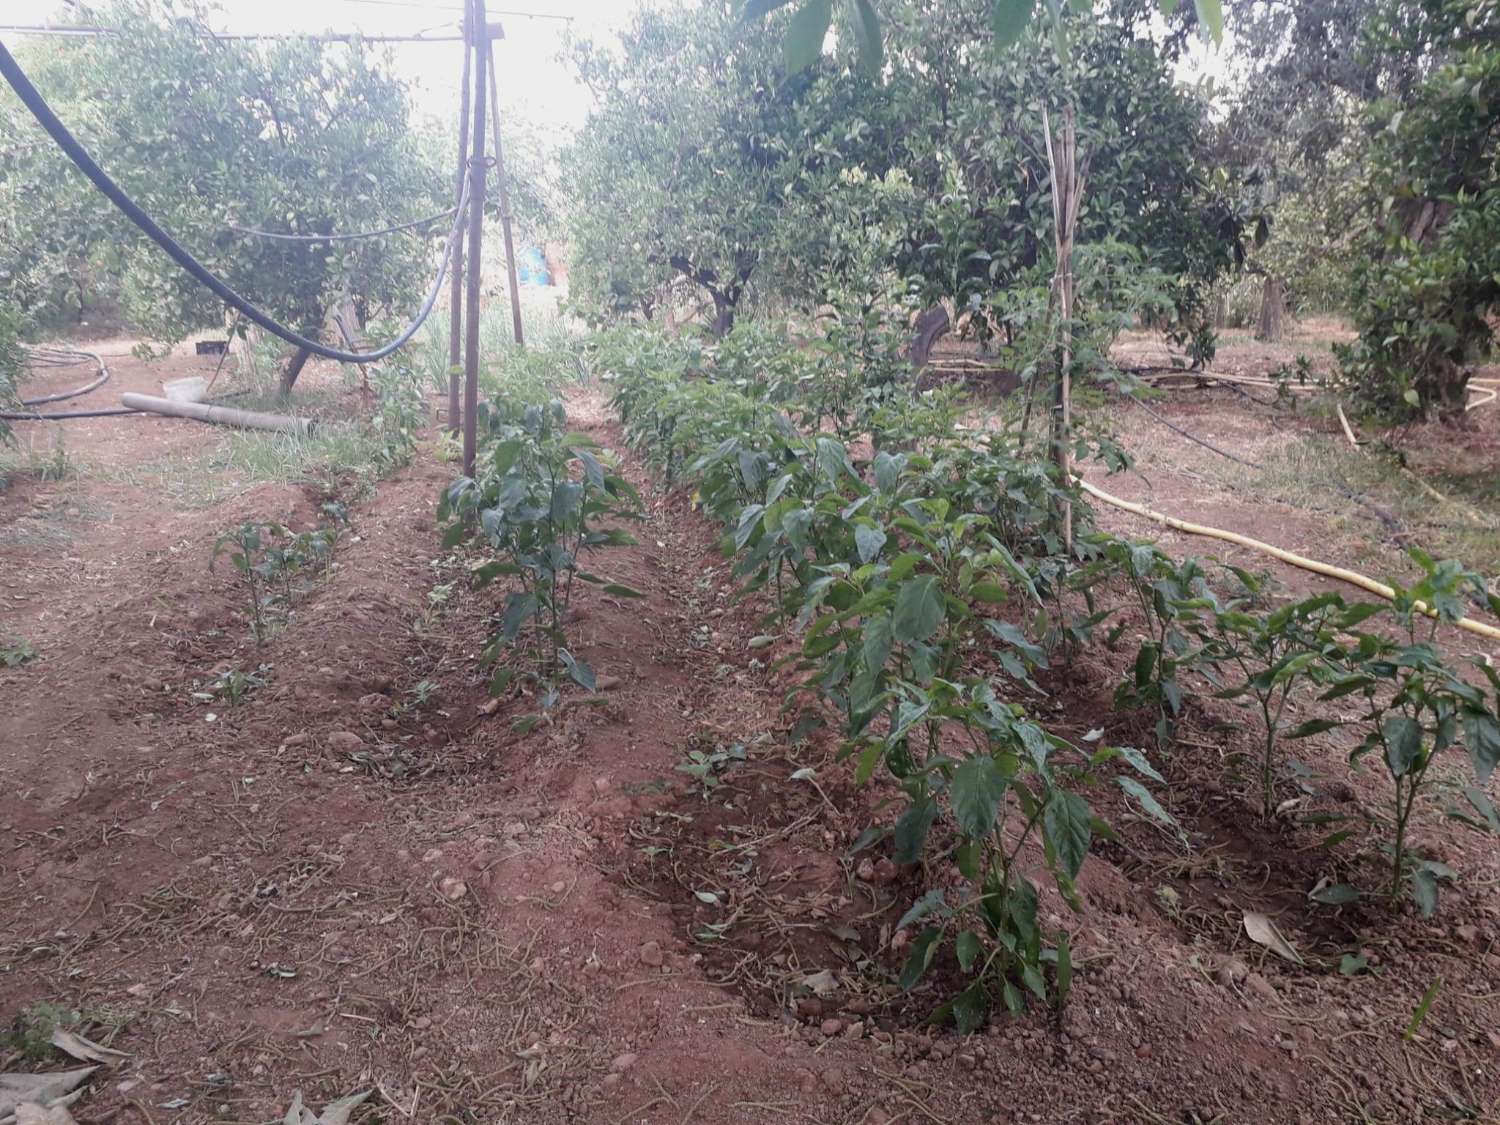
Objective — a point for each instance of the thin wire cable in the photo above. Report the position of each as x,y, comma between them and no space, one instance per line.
80,31
279,236
49,121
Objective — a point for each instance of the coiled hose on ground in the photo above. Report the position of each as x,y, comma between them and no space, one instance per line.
41,359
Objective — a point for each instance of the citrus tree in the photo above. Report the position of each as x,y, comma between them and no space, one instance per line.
1430,280
713,160
292,136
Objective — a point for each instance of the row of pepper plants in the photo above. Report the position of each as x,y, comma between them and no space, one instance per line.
928,589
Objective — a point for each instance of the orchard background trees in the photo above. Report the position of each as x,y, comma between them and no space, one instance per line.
298,136
708,164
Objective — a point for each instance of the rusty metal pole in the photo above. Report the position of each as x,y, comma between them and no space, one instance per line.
476,245
503,190
456,283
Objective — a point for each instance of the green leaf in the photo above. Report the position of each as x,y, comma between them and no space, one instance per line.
1483,806
577,670
757,9
887,471
1144,798
1339,894
1008,20
977,790
912,829
876,649
969,949
933,901
1403,743
519,609
1068,822
867,37
868,541
1424,889
992,593
1145,662
1311,727
1351,964
1064,968
622,591
923,950
1211,17
1138,762
1423,1008
919,610
1482,735
804,38
970,1008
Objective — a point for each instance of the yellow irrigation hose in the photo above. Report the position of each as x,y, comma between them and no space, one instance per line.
1354,578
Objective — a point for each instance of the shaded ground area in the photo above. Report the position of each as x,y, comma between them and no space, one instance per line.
359,878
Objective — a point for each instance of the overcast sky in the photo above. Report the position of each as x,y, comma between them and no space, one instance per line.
533,81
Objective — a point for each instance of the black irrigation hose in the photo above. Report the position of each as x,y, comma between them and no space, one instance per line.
104,412
1198,440
84,357
63,415
448,214
49,121
1390,522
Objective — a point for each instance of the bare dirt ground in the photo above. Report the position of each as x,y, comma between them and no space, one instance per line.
359,879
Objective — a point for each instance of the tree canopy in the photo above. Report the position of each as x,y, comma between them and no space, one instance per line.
707,162
295,136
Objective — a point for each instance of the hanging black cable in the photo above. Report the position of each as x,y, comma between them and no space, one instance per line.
39,108
448,214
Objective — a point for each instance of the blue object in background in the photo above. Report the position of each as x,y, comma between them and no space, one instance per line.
531,267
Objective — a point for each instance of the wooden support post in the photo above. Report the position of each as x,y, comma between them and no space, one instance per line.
1067,192
456,267
503,189
476,246
293,369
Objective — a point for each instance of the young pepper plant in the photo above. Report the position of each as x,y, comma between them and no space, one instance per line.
1277,652
1416,707
537,503
1019,786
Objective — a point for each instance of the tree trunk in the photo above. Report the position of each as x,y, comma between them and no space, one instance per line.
1221,312
294,368
723,314
1447,392
1272,311
931,325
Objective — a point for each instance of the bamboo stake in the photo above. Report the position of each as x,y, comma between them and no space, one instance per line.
476,246
503,190
456,284
1067,193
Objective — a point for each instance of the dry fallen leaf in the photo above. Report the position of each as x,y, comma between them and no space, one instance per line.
1263,931
335,1113
822,982
85,1050
29,1113
38,1089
